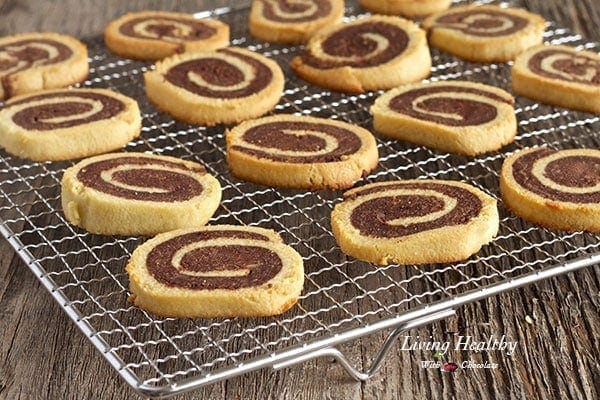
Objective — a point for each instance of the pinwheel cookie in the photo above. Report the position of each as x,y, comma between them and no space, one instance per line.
485,33
407,8
283,21
555,189
138,194
300,152
559,75
454,116
414,221
64,124
36,61
153,35
222,86
368,54
216,271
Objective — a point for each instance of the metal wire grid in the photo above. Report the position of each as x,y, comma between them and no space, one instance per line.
85,274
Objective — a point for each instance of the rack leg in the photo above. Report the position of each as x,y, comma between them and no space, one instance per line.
378,361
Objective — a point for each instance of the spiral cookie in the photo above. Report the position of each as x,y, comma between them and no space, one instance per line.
35,61
559,75
216,271
454,116
406,8
300,152
153,35
222,86
285,21
555,189
138,194
64,124
368,54
414,221
485,33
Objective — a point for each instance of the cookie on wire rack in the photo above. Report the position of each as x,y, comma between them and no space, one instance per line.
559,75
153,35
406,8
138,194
64,124
485,33
223,86
216,271
558,189
414,221
292,22
379,52
454,116
36,61
300,152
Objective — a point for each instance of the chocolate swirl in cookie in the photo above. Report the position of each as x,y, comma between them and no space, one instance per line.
401,209
210,260
568,175
24,54
64,109
143,178
482,22
299,142
222,74
167,28
566,65
449,105
295,11
359,45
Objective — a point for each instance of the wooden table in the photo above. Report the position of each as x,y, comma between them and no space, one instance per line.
44,356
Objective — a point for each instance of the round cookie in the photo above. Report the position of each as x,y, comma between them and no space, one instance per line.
153,35
216,271
414,221
372,53
292,22
36,61
406,8
223,86
138,194
485,33
559,75
454,116
64,124
300,152
555,189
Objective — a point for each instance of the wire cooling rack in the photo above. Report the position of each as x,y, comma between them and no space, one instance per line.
343,299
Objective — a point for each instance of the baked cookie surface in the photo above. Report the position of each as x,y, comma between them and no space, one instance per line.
36,61
414,221
223,86
559,75
555,189
283,21
153,35
406,8
65,124
373,53
485,33
138,194
454,116
216,271
300,152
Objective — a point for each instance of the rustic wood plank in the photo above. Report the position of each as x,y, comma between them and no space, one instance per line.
42,354
579,15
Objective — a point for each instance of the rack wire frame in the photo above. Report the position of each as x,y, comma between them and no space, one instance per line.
344,299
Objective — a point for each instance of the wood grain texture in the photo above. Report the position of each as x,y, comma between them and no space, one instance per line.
44,356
